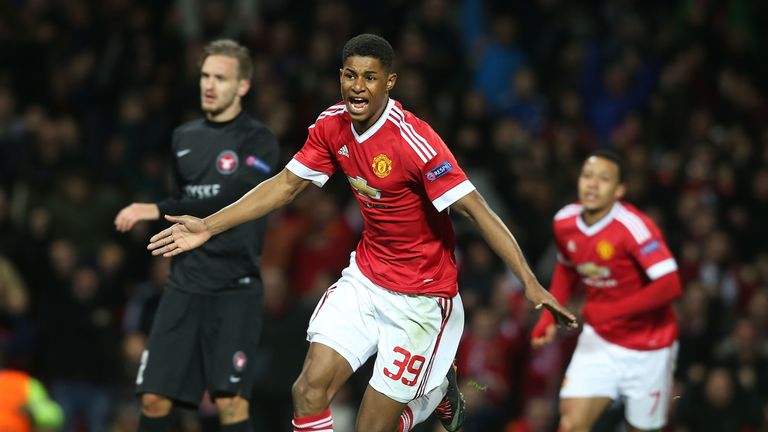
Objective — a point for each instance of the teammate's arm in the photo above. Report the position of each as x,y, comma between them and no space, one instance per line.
189,232
500,239
656,294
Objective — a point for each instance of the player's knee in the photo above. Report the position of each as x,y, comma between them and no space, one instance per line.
308,394
154,405
232,409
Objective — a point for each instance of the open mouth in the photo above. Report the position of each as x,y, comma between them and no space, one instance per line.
357,104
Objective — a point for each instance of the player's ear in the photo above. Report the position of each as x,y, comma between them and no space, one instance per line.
621,190
243,86
391,81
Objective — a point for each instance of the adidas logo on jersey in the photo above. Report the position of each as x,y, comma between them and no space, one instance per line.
343,151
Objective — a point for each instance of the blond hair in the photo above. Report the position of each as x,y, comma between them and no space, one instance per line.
230,48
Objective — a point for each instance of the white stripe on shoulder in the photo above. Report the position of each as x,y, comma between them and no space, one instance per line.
330,112
634,224
568,211
418,139
334,109
418,150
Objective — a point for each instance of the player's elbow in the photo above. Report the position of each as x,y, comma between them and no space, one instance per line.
469,205
677,286
674,287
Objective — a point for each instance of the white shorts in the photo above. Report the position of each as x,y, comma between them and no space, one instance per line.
415,337
642,379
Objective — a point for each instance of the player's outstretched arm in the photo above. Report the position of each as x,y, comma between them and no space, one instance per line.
136,212
500,239
189,232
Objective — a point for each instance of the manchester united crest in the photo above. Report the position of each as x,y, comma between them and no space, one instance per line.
605,249
382,165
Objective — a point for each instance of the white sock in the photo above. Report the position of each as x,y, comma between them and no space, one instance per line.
419,409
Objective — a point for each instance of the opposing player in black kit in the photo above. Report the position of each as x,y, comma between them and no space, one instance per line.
209,320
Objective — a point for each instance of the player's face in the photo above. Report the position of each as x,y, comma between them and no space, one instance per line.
599,186
221,87
365,86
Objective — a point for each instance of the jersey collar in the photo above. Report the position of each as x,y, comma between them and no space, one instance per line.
590,230
376,126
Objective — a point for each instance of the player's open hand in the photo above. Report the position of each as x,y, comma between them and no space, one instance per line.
542,298
187,232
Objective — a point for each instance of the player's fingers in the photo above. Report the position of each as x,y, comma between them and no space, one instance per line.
562,316
166,233
173,252
174,219
164,249
164,242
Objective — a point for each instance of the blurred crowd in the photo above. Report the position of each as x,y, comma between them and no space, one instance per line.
520,91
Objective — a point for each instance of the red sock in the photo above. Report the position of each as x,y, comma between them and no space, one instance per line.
406,420
322,422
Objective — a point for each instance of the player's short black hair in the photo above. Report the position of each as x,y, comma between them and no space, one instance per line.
369,45
612,156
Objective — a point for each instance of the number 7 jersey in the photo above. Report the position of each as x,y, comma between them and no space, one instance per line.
404,178
614,258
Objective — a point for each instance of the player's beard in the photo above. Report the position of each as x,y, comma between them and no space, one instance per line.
217,109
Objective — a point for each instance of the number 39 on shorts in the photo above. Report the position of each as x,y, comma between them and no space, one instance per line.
411,364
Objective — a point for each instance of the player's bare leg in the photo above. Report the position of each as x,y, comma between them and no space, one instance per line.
579,414
323,374
232,409
154,405
378,413
155,413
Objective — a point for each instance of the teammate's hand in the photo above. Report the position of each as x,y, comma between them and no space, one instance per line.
188,232
542,298
549,335
136,212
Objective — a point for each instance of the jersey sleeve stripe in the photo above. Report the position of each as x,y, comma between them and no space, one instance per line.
568,211
301,170
452,195
661,268
634,224
410,138
428,149
410,142
330,112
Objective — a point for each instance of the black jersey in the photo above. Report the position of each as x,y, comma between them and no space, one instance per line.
215,164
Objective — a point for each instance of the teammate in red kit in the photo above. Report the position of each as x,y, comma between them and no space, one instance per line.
398,298
627,348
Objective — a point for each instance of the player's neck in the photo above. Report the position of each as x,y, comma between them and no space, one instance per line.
591,217
361,127
224,116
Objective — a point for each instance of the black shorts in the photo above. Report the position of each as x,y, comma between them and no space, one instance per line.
200,342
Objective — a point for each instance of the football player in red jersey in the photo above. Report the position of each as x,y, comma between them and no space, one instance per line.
628,346
398,298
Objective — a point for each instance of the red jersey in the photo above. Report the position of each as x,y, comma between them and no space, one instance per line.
404,178
616,257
